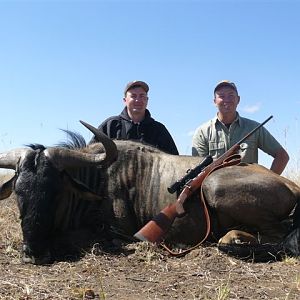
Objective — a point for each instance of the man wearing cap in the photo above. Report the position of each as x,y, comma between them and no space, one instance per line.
135,121
220,133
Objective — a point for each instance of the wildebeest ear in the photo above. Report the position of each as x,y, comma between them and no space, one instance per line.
7,187
79,188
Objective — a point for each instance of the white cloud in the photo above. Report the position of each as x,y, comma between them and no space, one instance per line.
251,108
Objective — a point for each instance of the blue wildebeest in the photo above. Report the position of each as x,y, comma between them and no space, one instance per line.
78,192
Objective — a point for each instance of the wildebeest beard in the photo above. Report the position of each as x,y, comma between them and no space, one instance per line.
40,191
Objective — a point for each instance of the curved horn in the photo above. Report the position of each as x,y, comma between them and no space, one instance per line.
109,145
10,159
63,158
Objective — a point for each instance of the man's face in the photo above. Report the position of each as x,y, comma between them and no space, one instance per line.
136,100
226,100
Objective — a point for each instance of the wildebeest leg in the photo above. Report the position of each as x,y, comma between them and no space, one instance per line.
270,231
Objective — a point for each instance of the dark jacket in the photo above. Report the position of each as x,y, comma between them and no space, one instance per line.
147,131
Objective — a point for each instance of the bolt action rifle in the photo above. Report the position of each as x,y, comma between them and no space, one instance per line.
155,230
179,184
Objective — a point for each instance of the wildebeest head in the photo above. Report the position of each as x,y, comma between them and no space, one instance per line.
39,181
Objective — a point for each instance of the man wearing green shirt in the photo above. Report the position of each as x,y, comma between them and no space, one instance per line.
220,133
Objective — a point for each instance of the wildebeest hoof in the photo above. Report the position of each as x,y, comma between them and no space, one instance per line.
29,258
238,237
45,260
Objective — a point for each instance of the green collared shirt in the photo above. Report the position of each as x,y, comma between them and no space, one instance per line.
214,138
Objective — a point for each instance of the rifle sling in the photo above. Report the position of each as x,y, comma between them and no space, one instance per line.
232,160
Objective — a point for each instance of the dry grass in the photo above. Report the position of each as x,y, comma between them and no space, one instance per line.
141,272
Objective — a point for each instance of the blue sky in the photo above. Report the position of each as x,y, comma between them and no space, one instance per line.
65,61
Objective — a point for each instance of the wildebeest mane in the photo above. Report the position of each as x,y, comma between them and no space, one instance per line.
36,146
74,140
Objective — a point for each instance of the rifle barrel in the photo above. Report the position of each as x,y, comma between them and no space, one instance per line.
253,130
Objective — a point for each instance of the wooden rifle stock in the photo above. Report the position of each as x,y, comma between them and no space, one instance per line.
155,230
